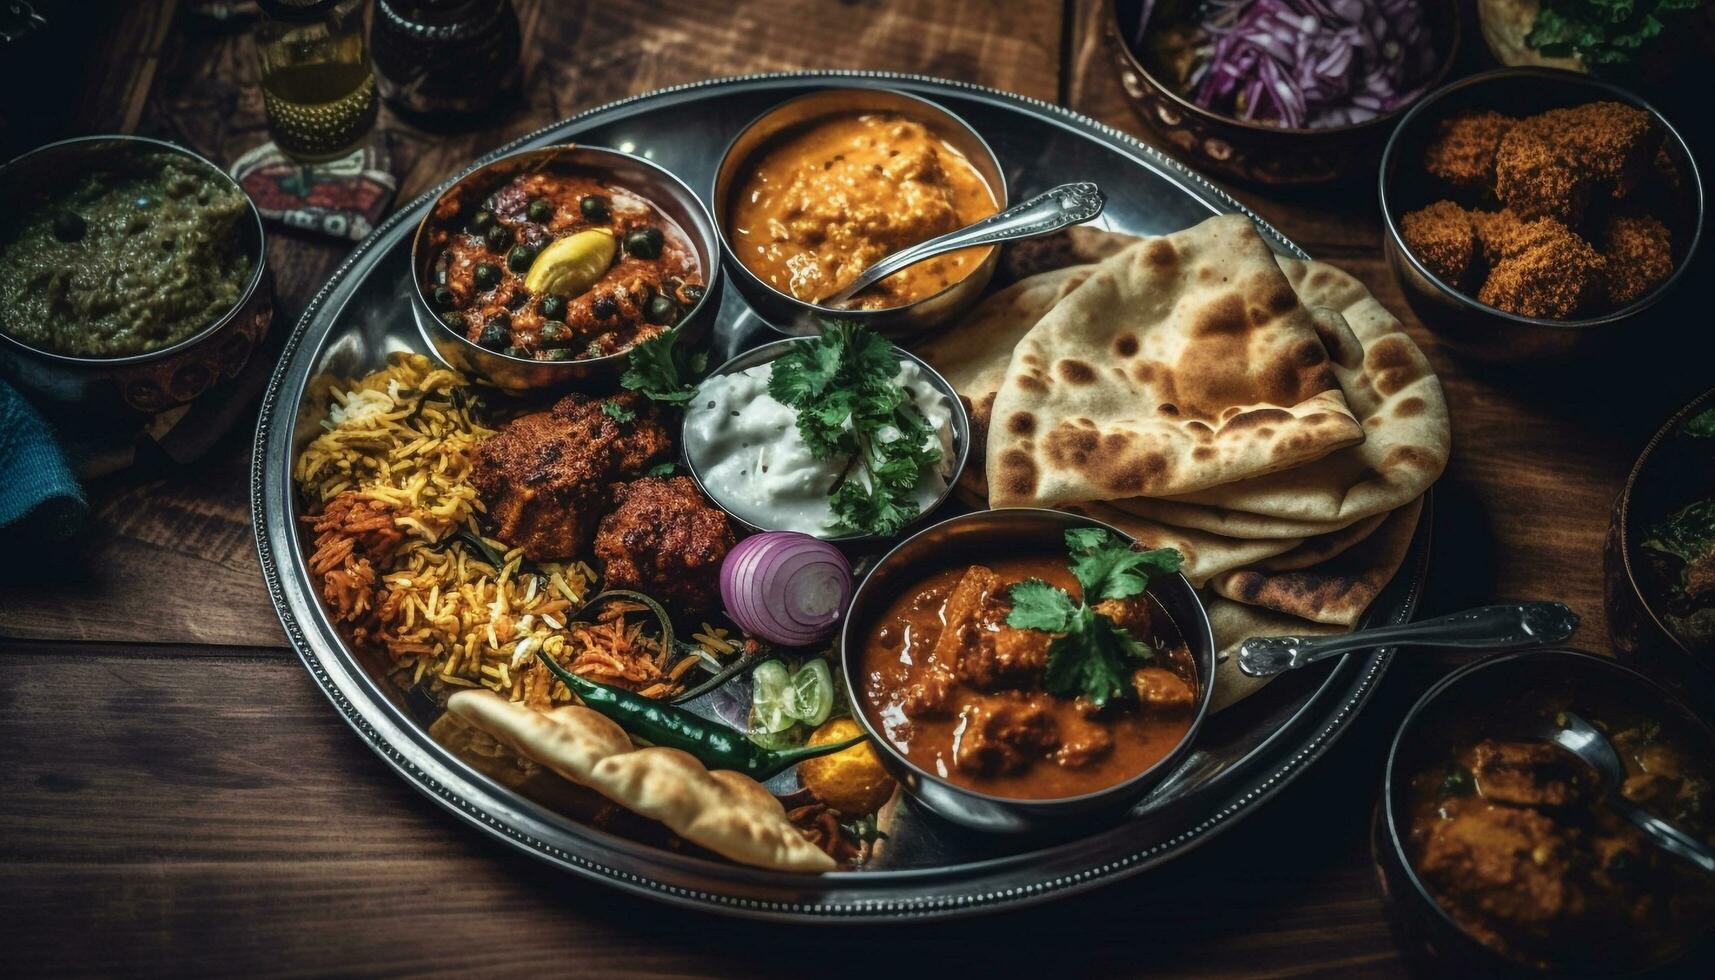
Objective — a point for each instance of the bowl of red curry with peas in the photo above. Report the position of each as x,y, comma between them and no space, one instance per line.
546,266
1025,671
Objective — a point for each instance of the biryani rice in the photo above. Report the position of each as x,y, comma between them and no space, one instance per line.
387,493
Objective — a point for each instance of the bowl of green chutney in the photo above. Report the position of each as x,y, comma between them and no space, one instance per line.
133,275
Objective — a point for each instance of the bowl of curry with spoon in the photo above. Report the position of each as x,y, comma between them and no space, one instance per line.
1021,669
817,189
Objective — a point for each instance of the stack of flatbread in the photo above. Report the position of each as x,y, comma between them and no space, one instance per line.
1266,416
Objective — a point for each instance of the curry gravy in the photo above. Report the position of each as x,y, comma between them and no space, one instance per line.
947,707
827,201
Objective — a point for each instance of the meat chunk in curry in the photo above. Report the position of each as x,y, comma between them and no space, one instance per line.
963,693
545,478
1512,839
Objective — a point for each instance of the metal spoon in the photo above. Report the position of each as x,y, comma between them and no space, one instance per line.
1047,212
1505,627
1586,741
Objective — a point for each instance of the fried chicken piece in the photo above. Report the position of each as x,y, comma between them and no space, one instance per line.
546,477
1639,256
1552,277
1535,178
664,540
1463,153
1610,142
1443,239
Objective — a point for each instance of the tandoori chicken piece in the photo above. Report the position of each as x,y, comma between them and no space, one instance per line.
665,540
547,477
1463,152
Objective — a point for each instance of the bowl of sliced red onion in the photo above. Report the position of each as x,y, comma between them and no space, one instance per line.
1280,92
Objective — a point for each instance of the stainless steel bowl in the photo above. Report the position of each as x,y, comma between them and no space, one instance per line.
1475,329
790,315
764,353
1000,533
63,385
641,176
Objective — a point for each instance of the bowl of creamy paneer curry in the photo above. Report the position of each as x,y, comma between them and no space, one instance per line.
817,189
546,267
1021,668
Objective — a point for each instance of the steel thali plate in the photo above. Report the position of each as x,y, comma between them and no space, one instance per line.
928,869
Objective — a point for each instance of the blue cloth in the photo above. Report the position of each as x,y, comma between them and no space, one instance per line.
39,497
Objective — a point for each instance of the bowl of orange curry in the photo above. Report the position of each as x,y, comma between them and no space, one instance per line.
545,267
817,189
1023,670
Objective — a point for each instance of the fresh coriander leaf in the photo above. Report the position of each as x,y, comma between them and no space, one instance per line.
662,469
1701,425
1036,605
859,510
1603,32
661,370
1094,659
1109,568
1687,533
618,412
803,374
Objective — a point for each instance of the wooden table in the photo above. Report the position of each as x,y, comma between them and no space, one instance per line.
175,794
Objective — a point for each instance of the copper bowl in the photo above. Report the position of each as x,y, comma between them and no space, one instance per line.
983,535
786,313
1257,153
1673,470
642,177
1475,330
132,385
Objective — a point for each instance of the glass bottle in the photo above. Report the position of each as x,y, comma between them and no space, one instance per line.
444,61
317,85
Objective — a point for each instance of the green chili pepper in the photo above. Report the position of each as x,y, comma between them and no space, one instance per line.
713,744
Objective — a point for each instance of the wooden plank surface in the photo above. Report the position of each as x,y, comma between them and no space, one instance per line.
176,795
212,814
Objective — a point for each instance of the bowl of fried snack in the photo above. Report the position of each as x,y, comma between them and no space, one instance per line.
1529,211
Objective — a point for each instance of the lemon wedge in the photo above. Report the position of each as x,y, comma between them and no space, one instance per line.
573,264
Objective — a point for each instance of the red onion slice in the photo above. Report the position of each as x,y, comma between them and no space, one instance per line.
786,587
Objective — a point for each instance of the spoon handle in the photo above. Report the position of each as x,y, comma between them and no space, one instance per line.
1668,837
1049,211
1517,624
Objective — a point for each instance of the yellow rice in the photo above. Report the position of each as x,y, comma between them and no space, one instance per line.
401,440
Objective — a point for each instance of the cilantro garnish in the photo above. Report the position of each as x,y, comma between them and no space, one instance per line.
618,412
662,469
1701,425
842,387
663,371
1091,656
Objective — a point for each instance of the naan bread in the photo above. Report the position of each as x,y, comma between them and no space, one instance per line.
973,353
727,812
1183,362
1233,623
1407,432
1339,589
1206,555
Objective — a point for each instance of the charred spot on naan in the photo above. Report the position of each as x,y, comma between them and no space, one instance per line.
1125,345
1391,362
1115,461
1015,474
1075,372
1021,424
